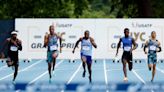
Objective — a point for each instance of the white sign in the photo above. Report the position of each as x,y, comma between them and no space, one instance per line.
106,33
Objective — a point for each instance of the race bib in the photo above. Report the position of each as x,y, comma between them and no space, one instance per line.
127,48
54,47
14,48
86,48
153,48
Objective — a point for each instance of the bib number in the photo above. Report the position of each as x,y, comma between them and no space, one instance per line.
54,47
127,48
86,48
14,48
153,48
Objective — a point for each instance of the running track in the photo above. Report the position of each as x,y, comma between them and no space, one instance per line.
104,71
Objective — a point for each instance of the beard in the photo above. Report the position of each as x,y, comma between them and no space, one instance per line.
126,36
14,38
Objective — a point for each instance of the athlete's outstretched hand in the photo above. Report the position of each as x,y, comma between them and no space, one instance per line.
44,46
145,52
73,51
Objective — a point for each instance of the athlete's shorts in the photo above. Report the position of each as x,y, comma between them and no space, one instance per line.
127,56
88,58
152,58
13,57
49,55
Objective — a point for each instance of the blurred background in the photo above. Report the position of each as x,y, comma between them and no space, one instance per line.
10,9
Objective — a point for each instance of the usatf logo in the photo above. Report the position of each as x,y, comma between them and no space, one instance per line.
141,25
62,25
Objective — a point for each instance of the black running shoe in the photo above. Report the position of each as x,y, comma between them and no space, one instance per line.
90,79
83,74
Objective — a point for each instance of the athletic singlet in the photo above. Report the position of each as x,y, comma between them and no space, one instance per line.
127,43
86,47
152,45
52,44
12,48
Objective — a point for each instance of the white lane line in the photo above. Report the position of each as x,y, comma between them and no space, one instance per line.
74,74
113,70
105,73
139,77
108,70
162,71
22,70
40,76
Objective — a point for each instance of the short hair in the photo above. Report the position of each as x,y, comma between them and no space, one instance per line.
86,31
153,32
51,26
126,29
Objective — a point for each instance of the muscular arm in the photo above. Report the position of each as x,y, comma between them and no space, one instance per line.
146,45
60,38
135,45
77,43
159,46
118,46
60,42
93,42
19,43
46,40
